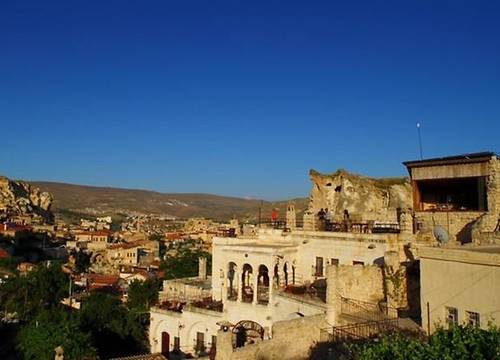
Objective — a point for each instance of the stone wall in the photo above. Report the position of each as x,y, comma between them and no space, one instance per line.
458,224
467,226
358,282
292,339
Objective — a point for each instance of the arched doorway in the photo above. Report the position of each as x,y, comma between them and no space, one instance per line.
165,343
246,284
263,285
247,331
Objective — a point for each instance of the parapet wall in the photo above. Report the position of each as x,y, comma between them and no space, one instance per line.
291,339
457,224
358,282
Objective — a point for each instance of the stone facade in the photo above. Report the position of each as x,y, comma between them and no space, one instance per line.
255,278
462,225
292,340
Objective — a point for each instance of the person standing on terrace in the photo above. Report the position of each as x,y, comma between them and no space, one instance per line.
274,218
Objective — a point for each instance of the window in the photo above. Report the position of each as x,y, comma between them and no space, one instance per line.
177,343
200,342
214,341
451,316
358,262
319,266
334,262
473,318
458,194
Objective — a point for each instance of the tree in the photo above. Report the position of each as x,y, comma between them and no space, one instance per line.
142,294
42,288
459,342
115,330
184,263
52,328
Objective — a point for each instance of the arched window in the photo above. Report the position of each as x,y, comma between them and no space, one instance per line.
263,285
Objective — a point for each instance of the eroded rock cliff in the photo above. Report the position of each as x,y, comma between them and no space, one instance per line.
363,197
18,198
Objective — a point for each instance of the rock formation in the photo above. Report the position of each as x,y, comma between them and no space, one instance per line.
364,198
20,199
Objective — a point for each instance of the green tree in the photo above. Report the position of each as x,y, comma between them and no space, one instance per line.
52,328
184,263
142,294
42,288
459,342
115,330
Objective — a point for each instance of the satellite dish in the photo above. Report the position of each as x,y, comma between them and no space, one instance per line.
440,234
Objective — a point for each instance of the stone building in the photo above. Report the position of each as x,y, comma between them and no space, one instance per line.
459,195
360,264
132,253
271,278
94,240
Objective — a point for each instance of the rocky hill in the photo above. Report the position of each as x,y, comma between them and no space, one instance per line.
74,201
363,197
21,199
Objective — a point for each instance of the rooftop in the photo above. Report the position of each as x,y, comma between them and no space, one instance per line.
95,233
205,284
455,159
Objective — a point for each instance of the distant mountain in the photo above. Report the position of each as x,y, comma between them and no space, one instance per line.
74,201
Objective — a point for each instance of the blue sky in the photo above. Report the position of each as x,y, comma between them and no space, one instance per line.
242,97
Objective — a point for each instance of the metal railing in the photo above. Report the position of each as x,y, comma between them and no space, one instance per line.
364,330
363,227
366,311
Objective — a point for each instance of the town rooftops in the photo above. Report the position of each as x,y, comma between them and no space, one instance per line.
450,160
94,233
98,281
130,245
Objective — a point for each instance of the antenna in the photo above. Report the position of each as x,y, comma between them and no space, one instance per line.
420,140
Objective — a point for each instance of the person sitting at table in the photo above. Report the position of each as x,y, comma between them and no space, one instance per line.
321,219
347,223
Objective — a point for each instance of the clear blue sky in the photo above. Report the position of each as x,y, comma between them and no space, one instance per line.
242,97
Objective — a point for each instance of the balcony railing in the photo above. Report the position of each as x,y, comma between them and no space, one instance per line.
365,330
360,227
366,311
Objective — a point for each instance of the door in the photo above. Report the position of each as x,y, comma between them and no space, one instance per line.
319,266
165,344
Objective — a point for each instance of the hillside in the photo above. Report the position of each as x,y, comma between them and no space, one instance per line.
74,201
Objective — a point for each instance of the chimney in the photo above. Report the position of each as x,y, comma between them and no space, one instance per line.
202,268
